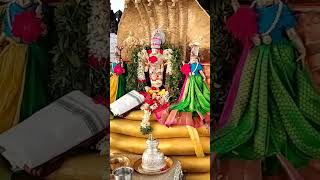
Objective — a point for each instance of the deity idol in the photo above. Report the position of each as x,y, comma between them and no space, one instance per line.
275,114
23,63
194,101
117,77
154,61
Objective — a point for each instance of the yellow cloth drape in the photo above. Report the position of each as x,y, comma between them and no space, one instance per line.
197,176
113,87
169,146
12,73
132,128
194,136
137,115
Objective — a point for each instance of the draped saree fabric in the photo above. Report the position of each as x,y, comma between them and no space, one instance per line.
35,91
197,97
12,69
23,72
276,111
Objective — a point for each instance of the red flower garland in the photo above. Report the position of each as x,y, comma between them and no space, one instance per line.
28,27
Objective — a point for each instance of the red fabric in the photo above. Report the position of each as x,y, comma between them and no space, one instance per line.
175,118
119,69
145,94
160,109
243,24
147,98
27,27
185,69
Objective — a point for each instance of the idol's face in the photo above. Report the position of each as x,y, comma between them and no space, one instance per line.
193,59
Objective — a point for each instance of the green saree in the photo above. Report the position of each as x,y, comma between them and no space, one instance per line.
276,111
36,82
197,98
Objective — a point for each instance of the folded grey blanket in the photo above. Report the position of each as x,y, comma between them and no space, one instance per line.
57,128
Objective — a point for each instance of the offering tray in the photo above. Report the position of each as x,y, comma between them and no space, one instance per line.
137,167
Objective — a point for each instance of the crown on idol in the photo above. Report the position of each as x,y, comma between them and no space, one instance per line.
157,39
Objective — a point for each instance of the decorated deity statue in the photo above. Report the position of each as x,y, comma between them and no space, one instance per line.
272,111
153,61
193,108
23,62
117,77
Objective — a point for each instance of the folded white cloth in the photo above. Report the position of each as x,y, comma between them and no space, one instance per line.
55,129
126,103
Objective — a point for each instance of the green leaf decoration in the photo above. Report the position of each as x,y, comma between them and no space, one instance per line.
70,70
145,131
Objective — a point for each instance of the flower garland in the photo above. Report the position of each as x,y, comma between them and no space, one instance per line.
132,75
141,65
98,34
156,100
98,45
175,79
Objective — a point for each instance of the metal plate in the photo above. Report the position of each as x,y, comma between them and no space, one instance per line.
137,167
